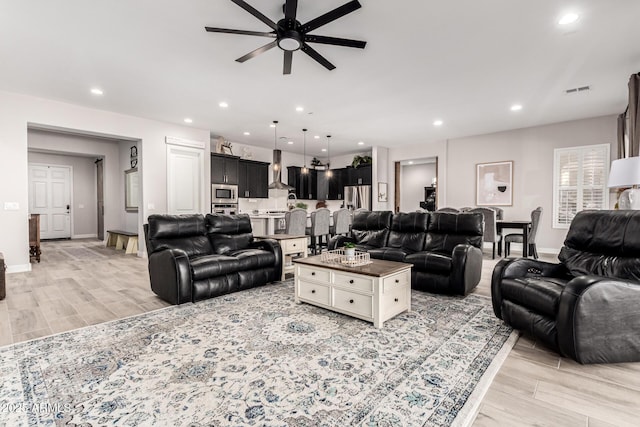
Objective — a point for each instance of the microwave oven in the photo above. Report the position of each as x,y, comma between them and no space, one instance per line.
224,193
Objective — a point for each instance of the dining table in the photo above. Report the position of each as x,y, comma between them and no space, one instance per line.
524,225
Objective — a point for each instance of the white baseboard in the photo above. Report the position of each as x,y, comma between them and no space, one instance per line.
18,268
84,236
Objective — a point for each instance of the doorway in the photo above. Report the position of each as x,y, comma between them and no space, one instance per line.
100,197
416,184
50,189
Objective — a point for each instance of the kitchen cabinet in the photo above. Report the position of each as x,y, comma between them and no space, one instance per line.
305,185
336,184
224,169
359,176
253,179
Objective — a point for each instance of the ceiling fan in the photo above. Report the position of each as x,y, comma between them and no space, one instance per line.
290,35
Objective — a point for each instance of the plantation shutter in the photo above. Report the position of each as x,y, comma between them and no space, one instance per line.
580,181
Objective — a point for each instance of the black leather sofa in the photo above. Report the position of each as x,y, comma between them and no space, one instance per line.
587,306
444,248
192,258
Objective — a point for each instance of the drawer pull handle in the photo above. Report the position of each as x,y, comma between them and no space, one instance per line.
397,280
313,273
395,299
294,245
350,301
351,281
313,291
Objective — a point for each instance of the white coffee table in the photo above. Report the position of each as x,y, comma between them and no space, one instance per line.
374,292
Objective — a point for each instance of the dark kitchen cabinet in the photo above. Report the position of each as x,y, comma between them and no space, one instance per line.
322,187
224,169
253,179
337,183
305,185
359,176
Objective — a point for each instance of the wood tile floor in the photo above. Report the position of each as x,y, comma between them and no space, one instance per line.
80,282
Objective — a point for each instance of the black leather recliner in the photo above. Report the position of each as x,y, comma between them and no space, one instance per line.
587,306
444,248
192,258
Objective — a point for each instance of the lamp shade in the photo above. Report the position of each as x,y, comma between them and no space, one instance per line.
625,172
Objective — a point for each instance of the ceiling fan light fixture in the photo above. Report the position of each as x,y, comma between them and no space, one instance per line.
290,41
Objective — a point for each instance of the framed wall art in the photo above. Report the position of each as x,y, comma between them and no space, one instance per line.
494,184
382,192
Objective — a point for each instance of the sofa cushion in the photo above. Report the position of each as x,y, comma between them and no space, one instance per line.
208,266
448,230
389,254
371,228
430,261
408,231
252,259
540,294
186,232
228,232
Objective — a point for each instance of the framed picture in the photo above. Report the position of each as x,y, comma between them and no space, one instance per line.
382,192
494,184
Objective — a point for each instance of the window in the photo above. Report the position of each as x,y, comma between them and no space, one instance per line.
579,181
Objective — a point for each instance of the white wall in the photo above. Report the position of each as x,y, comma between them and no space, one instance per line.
531,150
84,209
413,179
18,111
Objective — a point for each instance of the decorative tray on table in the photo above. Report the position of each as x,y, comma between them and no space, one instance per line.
338,256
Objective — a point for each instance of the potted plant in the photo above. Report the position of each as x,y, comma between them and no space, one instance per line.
350,251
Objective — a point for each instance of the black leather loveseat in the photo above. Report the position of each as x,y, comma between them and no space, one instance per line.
587,307
192,258
444,248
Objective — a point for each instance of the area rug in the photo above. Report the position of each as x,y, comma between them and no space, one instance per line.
256,358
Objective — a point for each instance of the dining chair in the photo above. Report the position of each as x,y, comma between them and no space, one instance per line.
319,228
490,230
531,237
341,220
295,222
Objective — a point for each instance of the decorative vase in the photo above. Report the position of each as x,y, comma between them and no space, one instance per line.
350,253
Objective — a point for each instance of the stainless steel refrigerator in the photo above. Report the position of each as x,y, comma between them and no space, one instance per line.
357,196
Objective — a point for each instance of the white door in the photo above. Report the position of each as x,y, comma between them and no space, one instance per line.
185,180
50,196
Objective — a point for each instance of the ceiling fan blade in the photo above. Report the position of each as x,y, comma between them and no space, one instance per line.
288,58
256,52
315,55
290,9
335,41
243,32
256,13
336,13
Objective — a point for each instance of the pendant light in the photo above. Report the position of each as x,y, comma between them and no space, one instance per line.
277,163
305,170
329,174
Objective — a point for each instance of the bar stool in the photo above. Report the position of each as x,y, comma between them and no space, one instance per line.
319,227
295,222
341,220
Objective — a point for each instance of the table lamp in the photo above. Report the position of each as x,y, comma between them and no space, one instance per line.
626,173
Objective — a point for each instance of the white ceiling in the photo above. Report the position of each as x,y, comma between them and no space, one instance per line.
463,61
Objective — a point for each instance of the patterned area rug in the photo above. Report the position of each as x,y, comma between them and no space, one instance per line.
256,358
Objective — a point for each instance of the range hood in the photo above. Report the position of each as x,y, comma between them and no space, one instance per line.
277,173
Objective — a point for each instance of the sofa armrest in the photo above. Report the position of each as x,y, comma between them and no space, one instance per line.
170,274
273,246
339,241
521,267
598,320
466,268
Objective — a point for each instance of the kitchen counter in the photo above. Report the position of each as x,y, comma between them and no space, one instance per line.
266,223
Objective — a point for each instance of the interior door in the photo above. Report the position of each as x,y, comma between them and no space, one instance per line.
100,193
50,196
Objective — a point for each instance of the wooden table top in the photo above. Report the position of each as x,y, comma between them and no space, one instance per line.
377,268
280,236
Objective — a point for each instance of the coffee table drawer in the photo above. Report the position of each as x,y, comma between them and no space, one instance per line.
313,274
353,282
354,303
400,280
395,302
315,292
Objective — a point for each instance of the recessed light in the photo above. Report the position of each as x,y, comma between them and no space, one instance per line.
188,120
437,123
97,91
299,109
324,149
290,142
247,133
316,137
516,107
411,162
223,105
569,18
361,143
